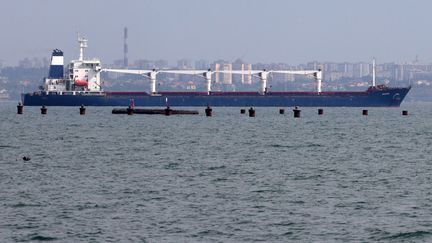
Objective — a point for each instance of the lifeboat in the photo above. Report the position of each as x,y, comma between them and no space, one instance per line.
81,82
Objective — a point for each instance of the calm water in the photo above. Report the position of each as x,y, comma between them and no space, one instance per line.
230,178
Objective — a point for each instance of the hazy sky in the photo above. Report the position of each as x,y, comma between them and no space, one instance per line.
256,31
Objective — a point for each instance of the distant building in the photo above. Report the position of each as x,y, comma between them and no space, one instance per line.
313,65
191,86
227,77
184,64
239,64
246,79
33,63
149,64
118,63
202,64
361,70
222,78
161,64
217,74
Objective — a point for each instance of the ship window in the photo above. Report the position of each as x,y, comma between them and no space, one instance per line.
86,71
76,70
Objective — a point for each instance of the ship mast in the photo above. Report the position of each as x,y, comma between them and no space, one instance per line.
83,44
373,72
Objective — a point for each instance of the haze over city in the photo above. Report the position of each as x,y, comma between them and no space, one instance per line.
257,31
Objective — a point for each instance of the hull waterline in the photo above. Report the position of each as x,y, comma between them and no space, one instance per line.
388,97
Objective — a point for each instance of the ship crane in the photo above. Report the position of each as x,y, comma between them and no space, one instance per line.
151,74
263,75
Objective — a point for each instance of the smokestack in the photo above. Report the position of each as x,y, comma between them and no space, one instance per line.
56,67
125,48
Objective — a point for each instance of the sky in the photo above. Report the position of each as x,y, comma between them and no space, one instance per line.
288,31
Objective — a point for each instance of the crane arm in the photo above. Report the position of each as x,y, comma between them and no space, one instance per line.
129,71
300,72
191,72
240,72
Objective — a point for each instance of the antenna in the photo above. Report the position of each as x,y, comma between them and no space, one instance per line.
373,72
83,44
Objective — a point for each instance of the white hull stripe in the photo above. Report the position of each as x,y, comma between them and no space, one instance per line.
57,60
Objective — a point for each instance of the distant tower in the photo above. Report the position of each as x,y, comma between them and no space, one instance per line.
125,48
242,75
227,77
217,68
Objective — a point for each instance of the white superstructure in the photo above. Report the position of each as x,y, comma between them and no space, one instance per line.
85,74
82,75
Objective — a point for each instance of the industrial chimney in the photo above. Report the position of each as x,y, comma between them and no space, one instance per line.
125,48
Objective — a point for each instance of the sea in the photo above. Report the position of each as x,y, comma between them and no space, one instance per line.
99,177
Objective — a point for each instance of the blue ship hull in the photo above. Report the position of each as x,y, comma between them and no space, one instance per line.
373,97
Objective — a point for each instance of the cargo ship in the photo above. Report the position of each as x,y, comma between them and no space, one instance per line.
82,86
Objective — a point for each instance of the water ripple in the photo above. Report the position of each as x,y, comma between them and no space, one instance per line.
340,177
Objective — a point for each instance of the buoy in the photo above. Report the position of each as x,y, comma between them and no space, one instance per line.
130,111
320,111
242,111
296,111
82,110
281,111
20,108
26,158
208,111
405,113
251,112
168,111
43,110
365,112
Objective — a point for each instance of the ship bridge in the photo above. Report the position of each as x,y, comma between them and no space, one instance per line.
85,74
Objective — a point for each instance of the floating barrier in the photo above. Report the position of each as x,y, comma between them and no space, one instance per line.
168,111
131,111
